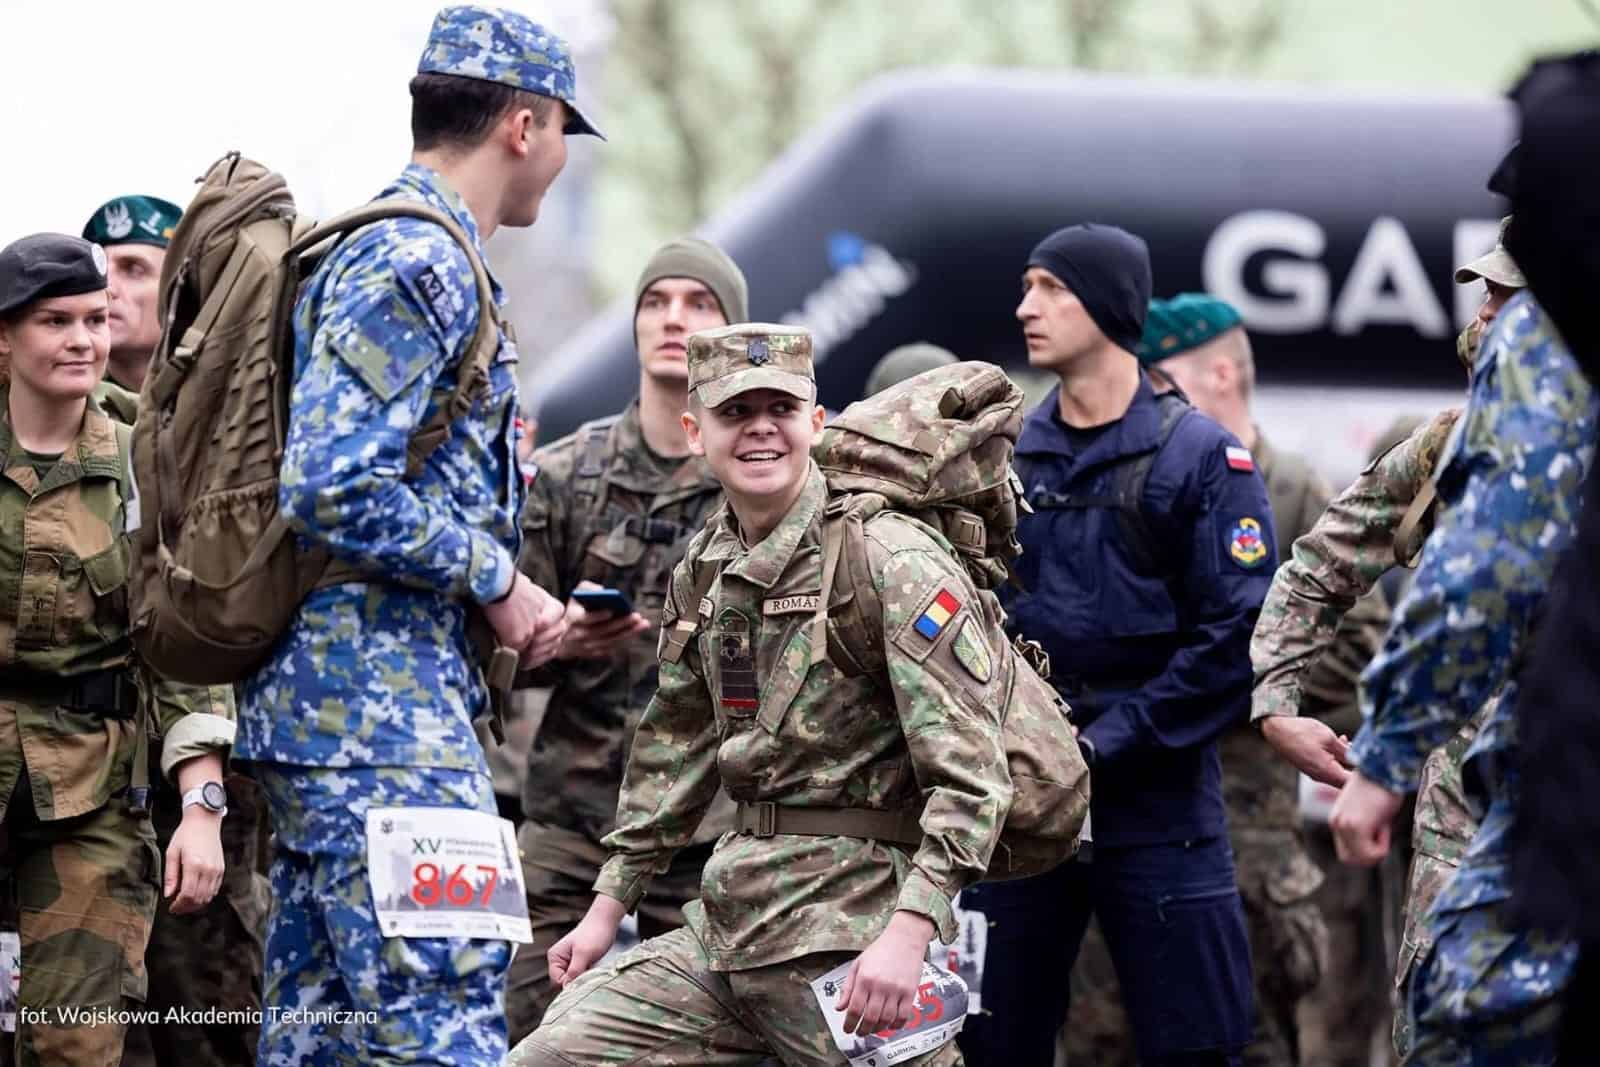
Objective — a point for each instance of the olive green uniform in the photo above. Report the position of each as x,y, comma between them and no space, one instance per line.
82,869
605,508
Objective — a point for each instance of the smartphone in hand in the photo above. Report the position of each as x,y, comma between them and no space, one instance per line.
604,601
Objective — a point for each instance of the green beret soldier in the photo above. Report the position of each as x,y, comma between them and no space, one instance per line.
210,958
135,232
742,703
614,505
76,844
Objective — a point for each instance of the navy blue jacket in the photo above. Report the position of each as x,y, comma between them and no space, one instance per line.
1153,653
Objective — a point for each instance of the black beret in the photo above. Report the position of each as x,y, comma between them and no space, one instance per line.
46,265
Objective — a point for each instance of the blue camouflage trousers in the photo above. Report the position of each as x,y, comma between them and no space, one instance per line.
336,990
1488,991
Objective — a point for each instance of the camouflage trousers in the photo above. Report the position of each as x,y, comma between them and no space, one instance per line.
210,958
83,891
661,1004
1487,991
1288,948
1351,1007
558,869
1441,832
337,991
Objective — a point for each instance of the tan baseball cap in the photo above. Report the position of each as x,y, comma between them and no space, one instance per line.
730,360
1496,264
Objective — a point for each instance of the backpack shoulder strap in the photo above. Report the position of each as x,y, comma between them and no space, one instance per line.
597,447
848,596
1128,485
472,375
1415,525
688,610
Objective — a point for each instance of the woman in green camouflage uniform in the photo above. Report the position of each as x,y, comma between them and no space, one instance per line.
77,853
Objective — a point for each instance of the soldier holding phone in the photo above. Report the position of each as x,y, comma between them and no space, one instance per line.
610,511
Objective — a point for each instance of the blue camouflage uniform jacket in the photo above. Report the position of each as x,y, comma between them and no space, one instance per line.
1510,483
1153,654
381,673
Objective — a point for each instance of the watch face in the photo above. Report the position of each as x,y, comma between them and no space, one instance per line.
213,796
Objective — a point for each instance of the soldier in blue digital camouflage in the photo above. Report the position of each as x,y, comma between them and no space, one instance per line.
1488,990
368,700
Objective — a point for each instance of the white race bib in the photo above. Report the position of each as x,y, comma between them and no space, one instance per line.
964,958
10,979
940,1012
445,872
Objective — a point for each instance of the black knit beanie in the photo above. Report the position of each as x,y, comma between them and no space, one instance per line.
1108,269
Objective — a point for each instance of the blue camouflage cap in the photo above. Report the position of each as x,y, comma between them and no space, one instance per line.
502,46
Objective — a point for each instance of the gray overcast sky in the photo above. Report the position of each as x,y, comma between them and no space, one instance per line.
104,97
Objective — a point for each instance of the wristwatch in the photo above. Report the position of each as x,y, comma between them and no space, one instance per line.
209,795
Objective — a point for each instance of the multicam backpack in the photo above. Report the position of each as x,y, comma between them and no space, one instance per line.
219,574
937,447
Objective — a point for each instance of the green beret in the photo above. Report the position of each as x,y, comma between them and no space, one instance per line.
1185,322
133,220
46,265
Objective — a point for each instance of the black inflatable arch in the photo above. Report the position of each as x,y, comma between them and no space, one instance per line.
1332,218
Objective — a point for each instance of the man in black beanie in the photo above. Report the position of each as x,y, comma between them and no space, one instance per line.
1145,561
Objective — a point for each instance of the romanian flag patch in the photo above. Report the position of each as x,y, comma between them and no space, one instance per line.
938,615
1239,459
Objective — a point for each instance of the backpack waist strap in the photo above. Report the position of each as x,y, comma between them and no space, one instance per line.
767,819
111,693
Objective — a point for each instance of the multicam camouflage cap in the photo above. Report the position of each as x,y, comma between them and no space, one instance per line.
730,360
1496,265
502,46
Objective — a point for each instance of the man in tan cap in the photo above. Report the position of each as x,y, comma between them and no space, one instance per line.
781,909
1502,278
614,506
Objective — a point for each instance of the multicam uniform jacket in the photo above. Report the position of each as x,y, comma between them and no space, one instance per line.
380,673
605,508
1332,566
746,707
64,559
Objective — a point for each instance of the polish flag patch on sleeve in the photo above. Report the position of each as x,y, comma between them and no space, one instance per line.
1239,459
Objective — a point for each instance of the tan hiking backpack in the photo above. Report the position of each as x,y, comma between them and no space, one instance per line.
219,575
938,447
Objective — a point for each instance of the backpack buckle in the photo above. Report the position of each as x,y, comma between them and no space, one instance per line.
967,533
766,818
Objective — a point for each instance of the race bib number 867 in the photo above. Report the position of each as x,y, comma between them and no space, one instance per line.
445,872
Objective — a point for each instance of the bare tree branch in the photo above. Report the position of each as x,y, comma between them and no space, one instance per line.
1090,27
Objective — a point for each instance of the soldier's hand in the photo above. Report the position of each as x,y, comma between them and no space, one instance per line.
588,941
1312,746
194,861
596,635
880,992
552,619
1361,819
527,620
